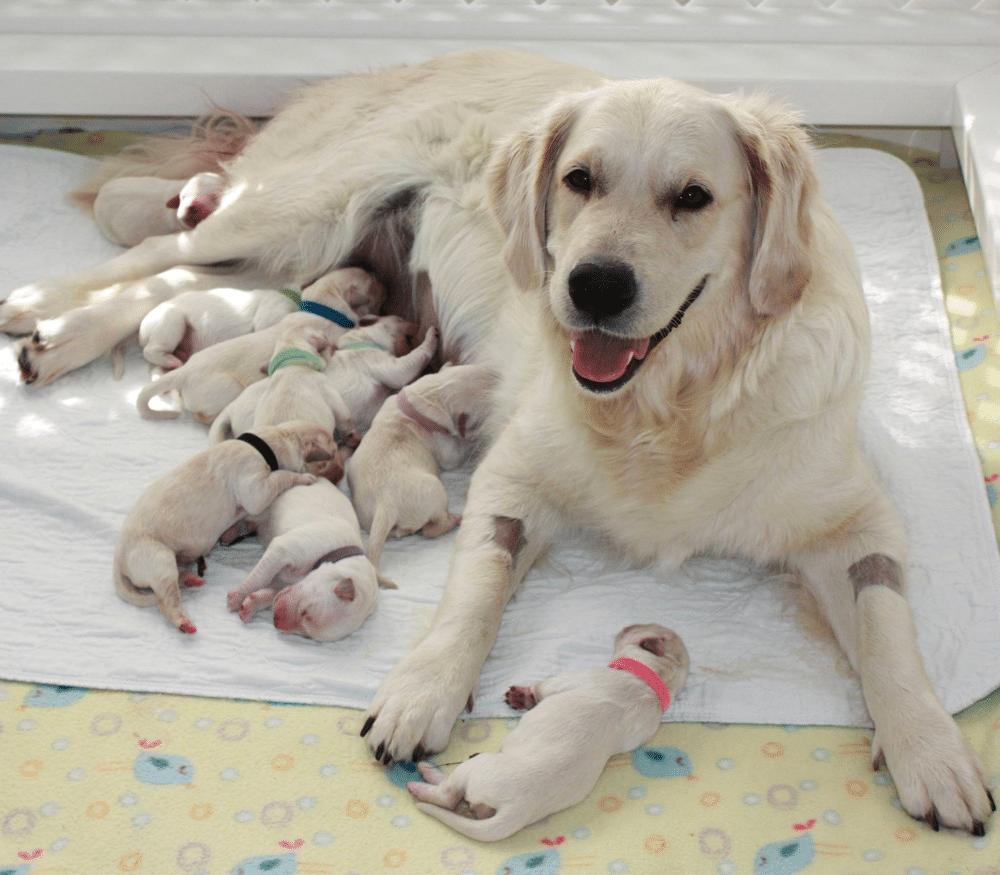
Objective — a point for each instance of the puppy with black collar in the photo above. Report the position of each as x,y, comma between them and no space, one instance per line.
555,755
314,571
179,518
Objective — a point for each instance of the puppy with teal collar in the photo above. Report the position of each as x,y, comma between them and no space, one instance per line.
574,724
215,376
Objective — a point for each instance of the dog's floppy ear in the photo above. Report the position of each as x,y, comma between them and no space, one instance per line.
520,177
783,186
655,644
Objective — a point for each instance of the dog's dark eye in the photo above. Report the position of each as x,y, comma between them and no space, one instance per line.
578,180
694,197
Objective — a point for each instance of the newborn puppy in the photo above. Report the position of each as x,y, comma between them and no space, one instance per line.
179,518
214,377
393,474
129,209
198,199
314,571
376,360
296,389
172,331
558,750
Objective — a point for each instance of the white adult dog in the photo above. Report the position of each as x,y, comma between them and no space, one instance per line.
680,369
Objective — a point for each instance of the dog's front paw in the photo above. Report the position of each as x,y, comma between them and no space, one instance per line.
938,777
53,350
417,704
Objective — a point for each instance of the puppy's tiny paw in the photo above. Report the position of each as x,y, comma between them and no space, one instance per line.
520,698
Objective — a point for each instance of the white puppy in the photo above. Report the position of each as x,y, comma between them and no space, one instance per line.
558,750
198,199
179,518
296,388
129,209
314,571
171,332
419,432
376,360
214,377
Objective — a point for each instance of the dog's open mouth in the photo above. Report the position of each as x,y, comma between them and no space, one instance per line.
603,362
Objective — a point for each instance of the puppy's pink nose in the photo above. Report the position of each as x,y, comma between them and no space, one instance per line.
282,617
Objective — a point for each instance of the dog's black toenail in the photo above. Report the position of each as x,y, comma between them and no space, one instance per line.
932,820
978,829
993,805
379,751
419,754
367,727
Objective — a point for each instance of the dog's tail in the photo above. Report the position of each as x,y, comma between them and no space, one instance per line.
129,592
222,427
214,140
166,383
378,534
492,829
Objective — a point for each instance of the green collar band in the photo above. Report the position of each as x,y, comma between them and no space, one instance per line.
295,356
293,295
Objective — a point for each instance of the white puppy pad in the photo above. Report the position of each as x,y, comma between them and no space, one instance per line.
74,456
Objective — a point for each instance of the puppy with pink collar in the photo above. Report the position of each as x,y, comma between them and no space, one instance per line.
555,755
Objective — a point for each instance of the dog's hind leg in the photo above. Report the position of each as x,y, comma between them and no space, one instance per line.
154,566
857,579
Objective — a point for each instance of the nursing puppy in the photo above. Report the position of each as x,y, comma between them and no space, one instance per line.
179,518
314,571
215,376
574,725
374,361
393,474
296,388
128,209
171,332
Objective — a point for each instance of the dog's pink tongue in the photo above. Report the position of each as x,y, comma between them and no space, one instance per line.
601,358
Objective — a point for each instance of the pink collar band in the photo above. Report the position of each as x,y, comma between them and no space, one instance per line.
644,672
411,412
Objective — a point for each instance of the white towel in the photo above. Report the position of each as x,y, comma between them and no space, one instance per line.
75,455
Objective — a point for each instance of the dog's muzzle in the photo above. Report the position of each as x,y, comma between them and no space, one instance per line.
604,362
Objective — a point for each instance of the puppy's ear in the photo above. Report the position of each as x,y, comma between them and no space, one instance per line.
656,644
345,590
783,185
317,454
520,177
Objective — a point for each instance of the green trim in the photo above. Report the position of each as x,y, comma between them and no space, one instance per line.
293,295
295,356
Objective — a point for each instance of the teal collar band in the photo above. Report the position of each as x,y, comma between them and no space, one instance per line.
359,344
318,309
295,356
293,295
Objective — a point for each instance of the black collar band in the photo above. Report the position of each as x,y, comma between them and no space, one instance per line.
260,445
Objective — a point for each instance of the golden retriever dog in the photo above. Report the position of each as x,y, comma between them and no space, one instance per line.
677,325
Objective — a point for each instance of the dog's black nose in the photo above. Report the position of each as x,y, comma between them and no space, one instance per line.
602,289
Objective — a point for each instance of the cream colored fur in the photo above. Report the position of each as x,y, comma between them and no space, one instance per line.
178,518
737,432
